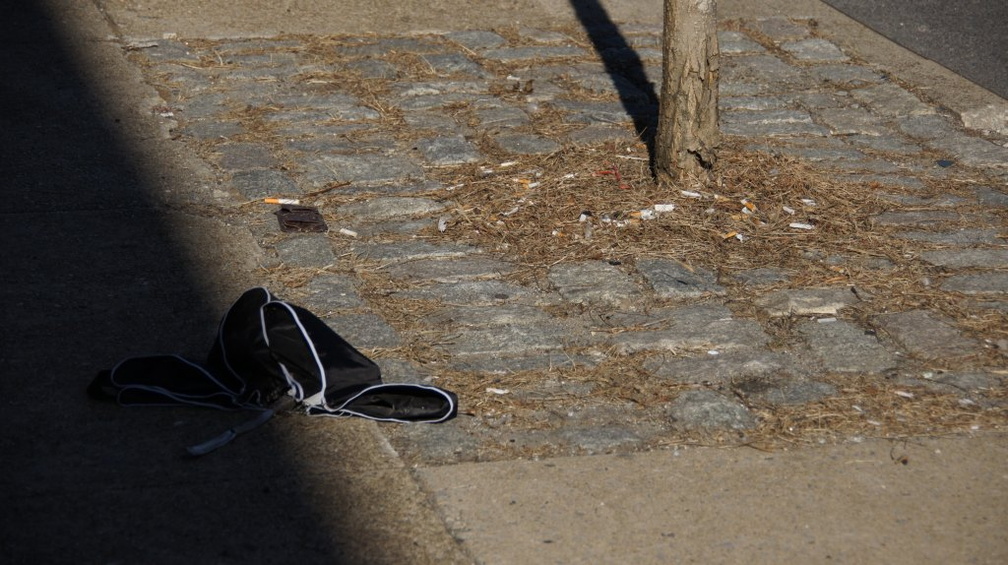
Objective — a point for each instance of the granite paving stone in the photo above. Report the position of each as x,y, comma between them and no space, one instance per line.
736,42
525,144
476,39
596,439
256,184
502,117
243,156
450,270
849,121
992,197
504,341
453,63
925,334
972,151
448,151
206,106
694,328
917,218
432,120
891,100
543,35
435,101
963,236
439,88
512,54
388,207
805,301
313,250
723,368
969,257
470,315
883,142
968,381
925,126
763,276
843,347
336,140
942,201
365,331
168,50
770,123
780,28
374,69
544,361
377,47
409,251
814,50
594,112
210,130
751,103
787,392
994,282
594,282
849,75
672,279
329,292
707,410
883,180
598,135
469,292
767,71
322,169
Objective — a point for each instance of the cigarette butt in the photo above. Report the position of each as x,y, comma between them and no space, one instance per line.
348,232
293,201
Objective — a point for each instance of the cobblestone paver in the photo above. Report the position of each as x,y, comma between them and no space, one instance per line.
279,117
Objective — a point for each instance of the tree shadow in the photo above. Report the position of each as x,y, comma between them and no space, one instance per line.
93,270
637,93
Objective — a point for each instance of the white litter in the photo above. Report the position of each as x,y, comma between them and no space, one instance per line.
442,224
492,390
801,226
350,233
903,393
664,208
691,194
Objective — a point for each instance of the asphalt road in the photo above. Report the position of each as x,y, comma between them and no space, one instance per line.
969,37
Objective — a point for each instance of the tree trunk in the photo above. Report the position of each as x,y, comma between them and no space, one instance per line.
688,134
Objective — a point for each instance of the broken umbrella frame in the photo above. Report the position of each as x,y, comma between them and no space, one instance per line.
265,349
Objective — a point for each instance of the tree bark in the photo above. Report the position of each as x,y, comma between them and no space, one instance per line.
688,134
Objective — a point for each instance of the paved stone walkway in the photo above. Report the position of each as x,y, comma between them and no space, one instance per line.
279,117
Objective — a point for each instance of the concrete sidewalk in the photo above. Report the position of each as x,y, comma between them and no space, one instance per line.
115,225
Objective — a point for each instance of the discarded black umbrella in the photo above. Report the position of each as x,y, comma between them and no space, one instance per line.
265,349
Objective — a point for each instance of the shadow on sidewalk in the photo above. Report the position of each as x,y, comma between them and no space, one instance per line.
93,271
624,66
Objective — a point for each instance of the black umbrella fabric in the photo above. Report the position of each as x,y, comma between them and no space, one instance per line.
265,349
